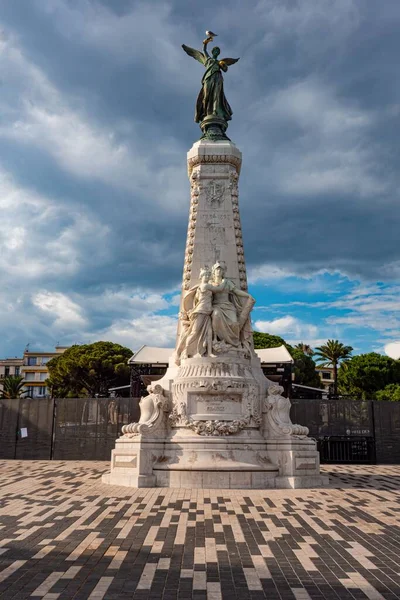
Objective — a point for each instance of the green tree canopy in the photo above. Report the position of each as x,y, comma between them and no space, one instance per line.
13,387
266,340
332,354
303,367
390,392
365,374
89,369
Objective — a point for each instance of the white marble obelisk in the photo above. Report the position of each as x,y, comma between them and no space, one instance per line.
214,232
214,420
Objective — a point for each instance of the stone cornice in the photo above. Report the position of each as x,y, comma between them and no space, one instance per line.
207,159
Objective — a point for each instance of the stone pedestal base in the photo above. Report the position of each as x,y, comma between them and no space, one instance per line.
298,463
132,462
208,463
221,463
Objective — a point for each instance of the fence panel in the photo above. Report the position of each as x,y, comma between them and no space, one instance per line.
9,410
36,416
333,417
86,428
387,432
355,450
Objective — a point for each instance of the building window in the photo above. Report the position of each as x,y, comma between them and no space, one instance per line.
45,359
40,390
17,371
32,361
29,376
6,371
326,375
43,376
30,390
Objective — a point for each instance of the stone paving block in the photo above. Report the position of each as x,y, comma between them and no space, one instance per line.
65,535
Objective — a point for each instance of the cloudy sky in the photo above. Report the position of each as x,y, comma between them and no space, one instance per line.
96,116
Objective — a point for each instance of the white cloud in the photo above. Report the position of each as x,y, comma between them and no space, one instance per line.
267,272
124,316
330,21
327,151
393,350
125,36
175,300
128,303
37,114
40,116
369,306
153,330
288,326
67,313
46,244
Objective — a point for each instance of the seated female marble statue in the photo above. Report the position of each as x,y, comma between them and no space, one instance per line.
215,316
231,310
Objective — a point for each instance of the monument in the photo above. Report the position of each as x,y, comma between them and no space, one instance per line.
214,420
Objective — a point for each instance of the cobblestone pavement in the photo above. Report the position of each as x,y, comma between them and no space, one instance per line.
64,534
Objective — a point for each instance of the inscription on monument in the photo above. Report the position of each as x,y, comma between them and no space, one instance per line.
206,406
125,461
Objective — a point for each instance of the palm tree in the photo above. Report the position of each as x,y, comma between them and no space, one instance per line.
12,387
332,354
305,348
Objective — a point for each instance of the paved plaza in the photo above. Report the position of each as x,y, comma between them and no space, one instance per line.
64,534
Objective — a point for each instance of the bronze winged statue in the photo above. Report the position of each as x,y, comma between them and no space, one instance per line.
211,101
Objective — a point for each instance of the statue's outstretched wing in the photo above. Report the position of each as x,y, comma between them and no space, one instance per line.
195,54
229,61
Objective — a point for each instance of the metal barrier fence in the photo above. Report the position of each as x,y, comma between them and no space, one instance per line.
357,450
26,428
63,428
86,428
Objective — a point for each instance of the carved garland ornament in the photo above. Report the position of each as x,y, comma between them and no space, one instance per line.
194,194
214,428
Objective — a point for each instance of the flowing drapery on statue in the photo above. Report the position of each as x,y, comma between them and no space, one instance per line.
196,336
231,310
211,101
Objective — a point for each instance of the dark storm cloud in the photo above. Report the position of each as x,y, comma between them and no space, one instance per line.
97,115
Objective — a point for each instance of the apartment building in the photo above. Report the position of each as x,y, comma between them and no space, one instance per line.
10,367
326,376
35,372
